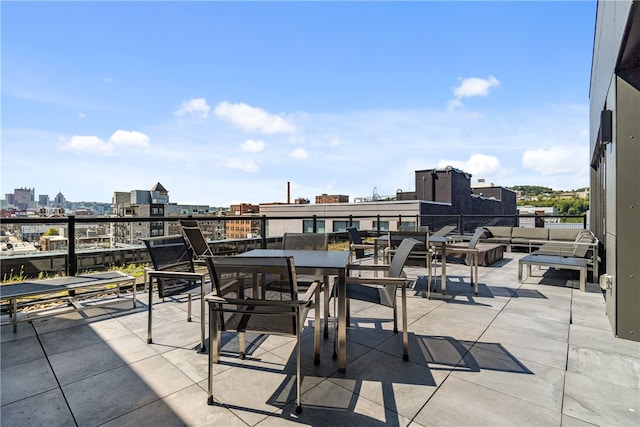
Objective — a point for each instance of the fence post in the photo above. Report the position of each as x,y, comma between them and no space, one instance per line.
315,224
72,267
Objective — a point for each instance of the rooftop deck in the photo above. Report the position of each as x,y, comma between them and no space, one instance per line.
540,353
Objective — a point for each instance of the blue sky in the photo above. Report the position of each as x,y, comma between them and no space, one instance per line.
226,102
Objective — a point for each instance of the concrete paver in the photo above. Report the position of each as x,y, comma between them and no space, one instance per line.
537,353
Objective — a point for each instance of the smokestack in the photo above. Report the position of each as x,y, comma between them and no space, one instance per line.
288,192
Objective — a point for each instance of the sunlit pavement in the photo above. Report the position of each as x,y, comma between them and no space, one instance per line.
540,353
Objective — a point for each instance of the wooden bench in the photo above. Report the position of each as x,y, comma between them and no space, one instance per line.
552,261
63,288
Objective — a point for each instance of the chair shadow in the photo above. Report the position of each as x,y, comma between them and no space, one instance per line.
457,286
383,366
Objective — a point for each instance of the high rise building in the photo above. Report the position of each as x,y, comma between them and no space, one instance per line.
140,203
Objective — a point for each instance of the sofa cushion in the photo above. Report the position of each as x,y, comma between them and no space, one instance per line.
564,234
499,231
582,240
524,234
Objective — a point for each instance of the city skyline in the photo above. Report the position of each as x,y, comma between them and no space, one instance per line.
227,102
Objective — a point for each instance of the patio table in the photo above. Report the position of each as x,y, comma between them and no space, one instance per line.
320,263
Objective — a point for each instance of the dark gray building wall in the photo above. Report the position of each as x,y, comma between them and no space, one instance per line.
494,201
615,159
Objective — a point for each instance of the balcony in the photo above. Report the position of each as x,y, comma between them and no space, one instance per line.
537,353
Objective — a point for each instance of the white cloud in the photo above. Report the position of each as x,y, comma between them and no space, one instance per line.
130,138
82,116
87,144
299,153
475,86
253,146
194,107
478,165
245,166
95,145
556,160
472,86
253,119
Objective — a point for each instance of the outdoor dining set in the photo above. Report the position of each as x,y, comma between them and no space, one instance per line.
271,291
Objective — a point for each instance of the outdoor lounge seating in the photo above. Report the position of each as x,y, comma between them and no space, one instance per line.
532,238
261,296
383,290
174,274
572,242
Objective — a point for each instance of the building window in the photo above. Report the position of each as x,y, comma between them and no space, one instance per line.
384,225
407,226
339,226
307,226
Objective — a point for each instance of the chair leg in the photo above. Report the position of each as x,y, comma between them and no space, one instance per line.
203,346
149,321
316,328
326,306
242,345
335,328
405,332
298,379
189,308
395,317
214,351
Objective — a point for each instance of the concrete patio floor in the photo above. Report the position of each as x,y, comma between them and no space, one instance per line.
541,353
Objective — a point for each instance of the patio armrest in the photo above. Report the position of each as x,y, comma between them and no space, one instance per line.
397,281
311,291
370,267
174,275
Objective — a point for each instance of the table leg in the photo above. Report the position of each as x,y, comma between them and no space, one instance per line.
150,308
14,315
520,265
342,322
203,315
443,285
326,306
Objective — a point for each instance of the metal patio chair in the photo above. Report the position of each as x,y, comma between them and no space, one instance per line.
470,258
262,297
383,290
174,274
311,242
360,250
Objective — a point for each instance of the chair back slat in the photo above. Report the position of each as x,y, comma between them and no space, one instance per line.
421,236
195,238
255,281
306,241
443,231
171,253
476,237
402,254
356,239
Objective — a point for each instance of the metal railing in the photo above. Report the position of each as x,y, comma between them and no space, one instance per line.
72,260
